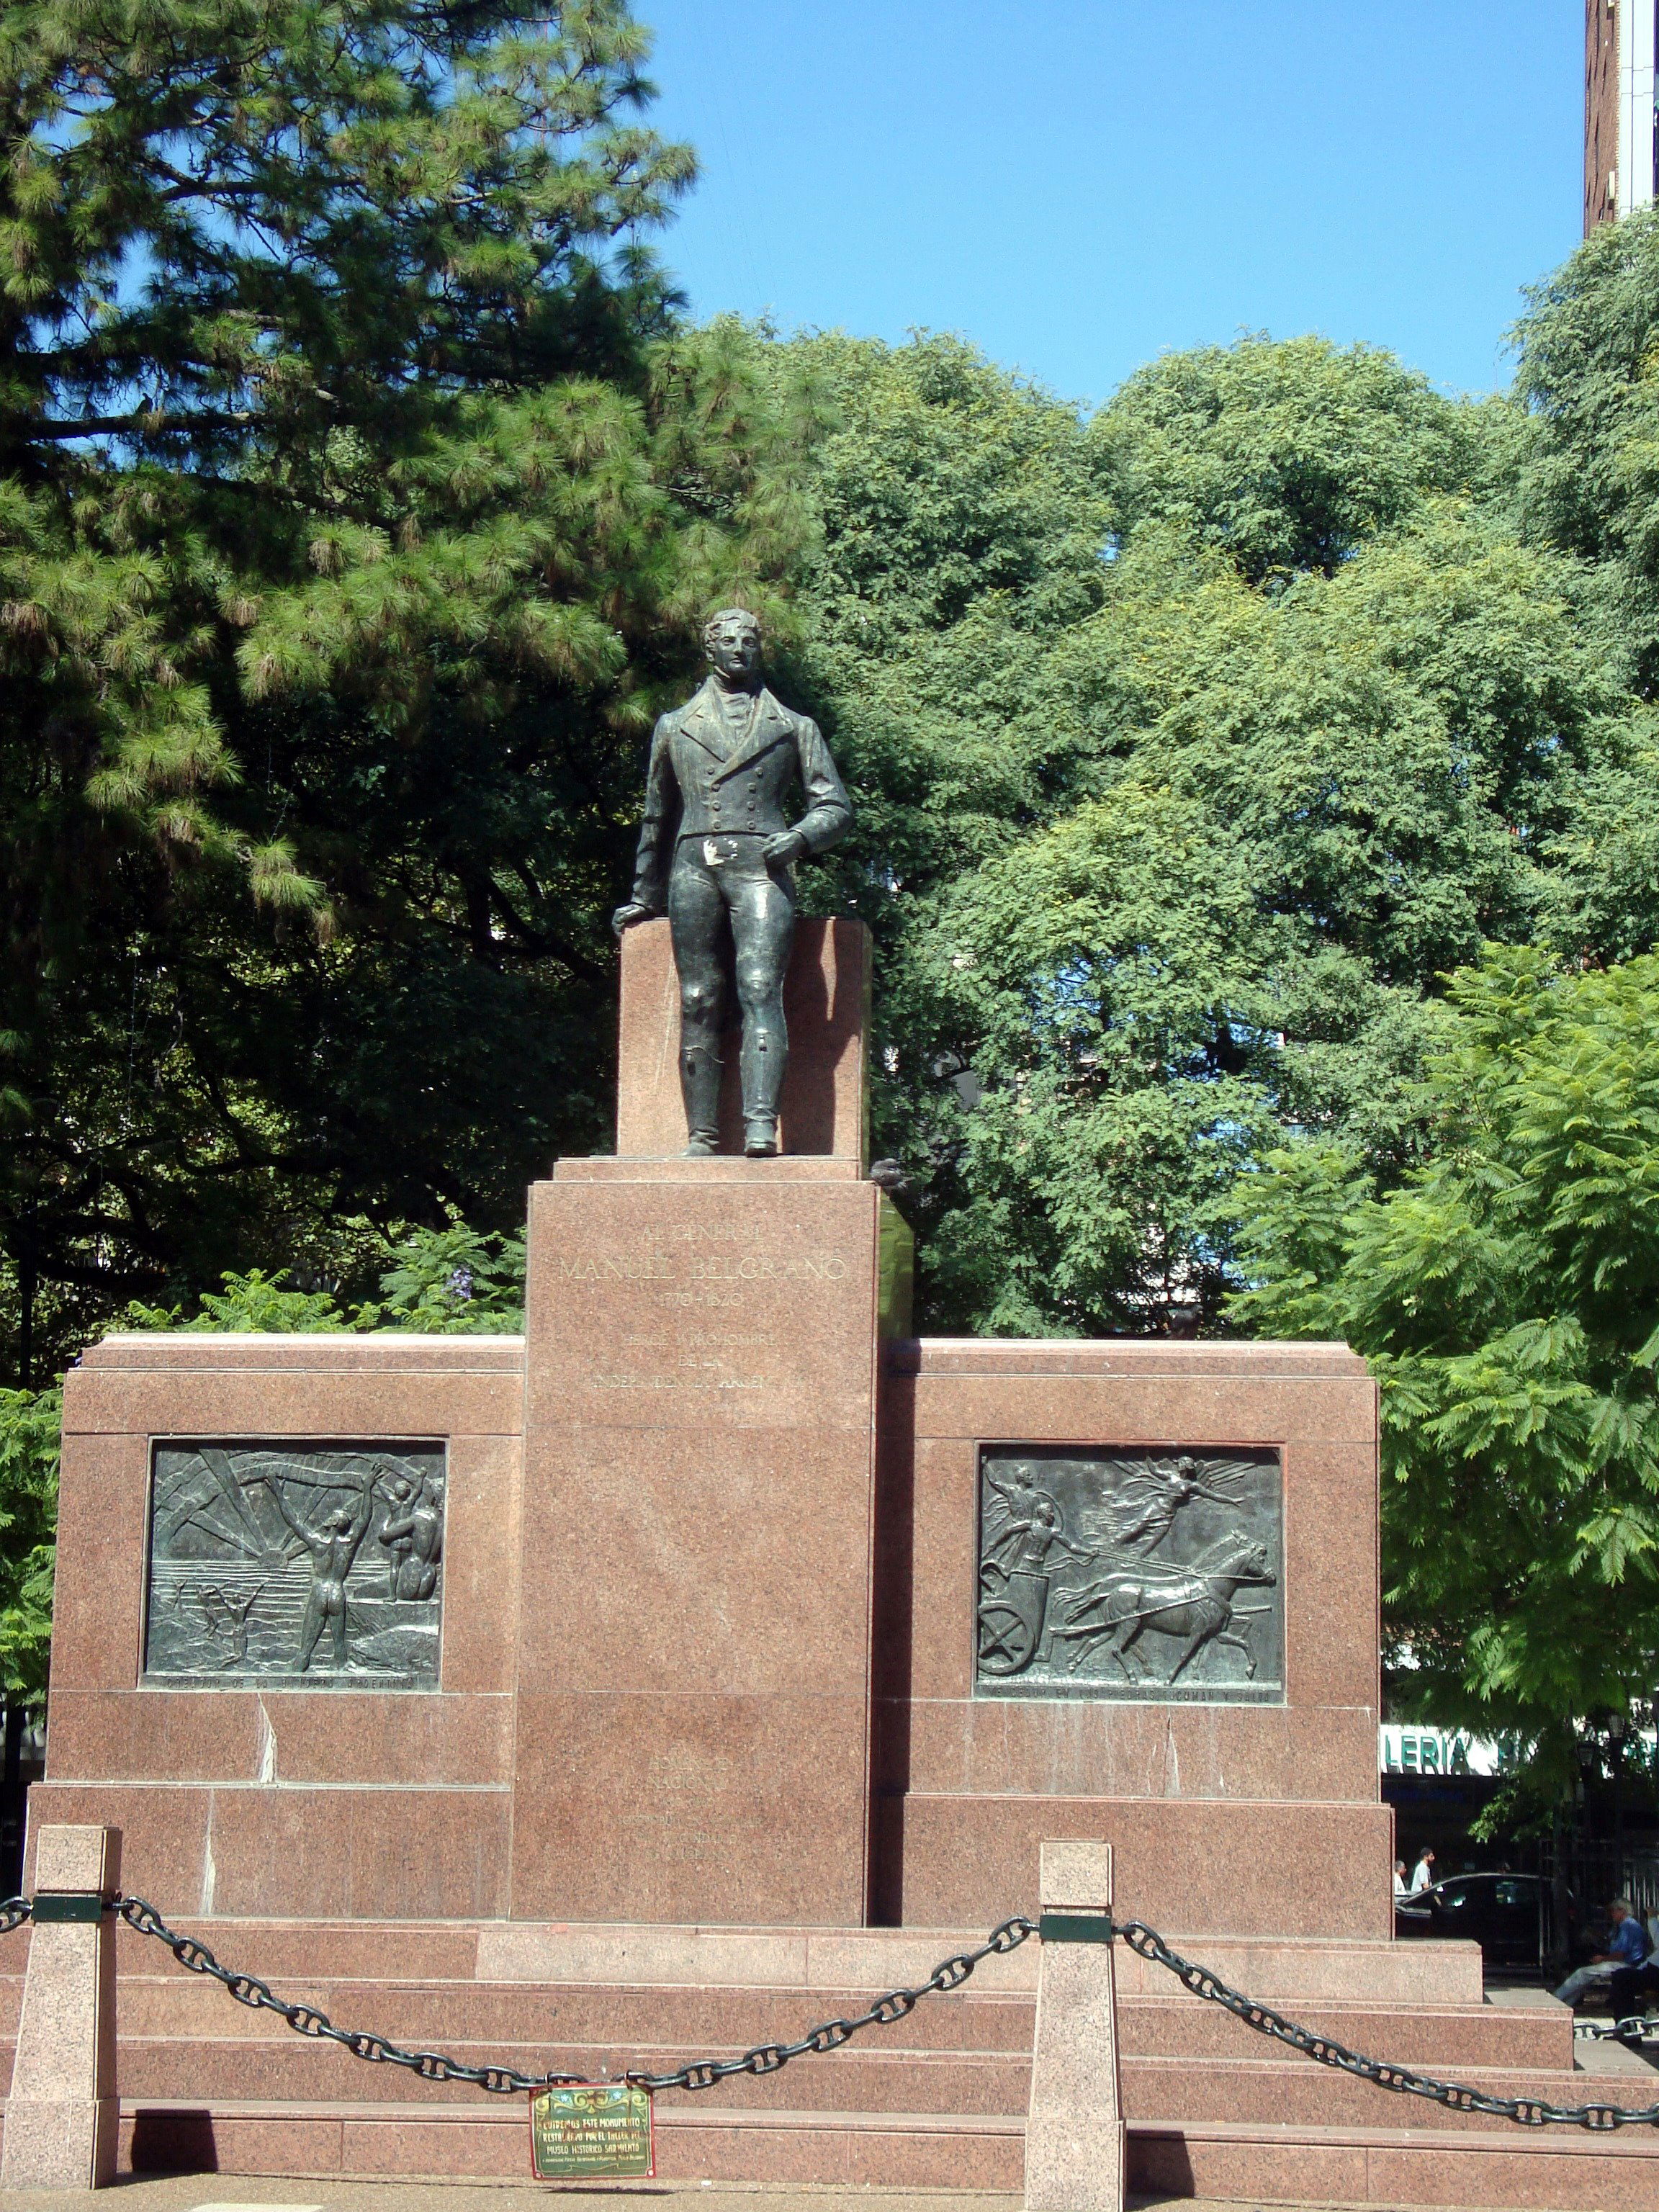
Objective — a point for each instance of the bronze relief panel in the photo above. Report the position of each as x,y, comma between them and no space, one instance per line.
316,1565
1154,1575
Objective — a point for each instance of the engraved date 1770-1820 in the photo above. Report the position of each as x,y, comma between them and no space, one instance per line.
318,1563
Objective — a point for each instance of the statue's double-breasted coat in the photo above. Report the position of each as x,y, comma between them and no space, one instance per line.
703,782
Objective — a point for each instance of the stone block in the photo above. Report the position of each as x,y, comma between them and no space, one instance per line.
1191,1866
692,1712
826,1003
1074,2149
63,2114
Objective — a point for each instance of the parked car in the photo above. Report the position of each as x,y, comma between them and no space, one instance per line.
1503,1913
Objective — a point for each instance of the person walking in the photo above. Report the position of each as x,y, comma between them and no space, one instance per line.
1423,1872
1399,1888
1627,1949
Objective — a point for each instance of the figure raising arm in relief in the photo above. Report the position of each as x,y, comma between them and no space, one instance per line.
717,856
333,1546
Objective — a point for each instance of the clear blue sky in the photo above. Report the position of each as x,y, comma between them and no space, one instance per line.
1078,184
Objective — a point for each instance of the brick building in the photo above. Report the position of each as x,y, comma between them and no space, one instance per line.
1619,109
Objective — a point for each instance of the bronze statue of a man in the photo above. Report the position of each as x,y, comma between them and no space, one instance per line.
717,857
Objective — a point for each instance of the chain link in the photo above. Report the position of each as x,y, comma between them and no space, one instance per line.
830,2034
1638,2028
13,1913
1526,2111
306,2019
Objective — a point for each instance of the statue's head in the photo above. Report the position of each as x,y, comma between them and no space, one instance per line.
338,1524
731,639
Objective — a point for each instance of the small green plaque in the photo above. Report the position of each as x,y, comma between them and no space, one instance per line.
591,2131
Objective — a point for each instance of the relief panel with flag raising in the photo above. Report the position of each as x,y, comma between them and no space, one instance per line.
319,1564
1149,1575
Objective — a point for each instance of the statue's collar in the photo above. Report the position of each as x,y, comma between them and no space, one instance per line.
704,721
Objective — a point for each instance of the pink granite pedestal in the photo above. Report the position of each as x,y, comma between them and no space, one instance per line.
704,1364
826,1004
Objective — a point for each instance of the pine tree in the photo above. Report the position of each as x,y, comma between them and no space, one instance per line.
358,494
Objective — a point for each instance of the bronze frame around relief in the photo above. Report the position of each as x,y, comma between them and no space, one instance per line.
310,1564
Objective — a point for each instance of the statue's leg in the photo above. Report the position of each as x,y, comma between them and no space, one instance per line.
763,929
697,923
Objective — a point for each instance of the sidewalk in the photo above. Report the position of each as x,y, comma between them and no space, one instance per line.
208,2192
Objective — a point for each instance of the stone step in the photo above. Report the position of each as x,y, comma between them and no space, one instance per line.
1242,2086
321,2140
1564,2169
719,2021
1561,2167
1431,2039
868,1960
916,2080
1298,2092
647,2023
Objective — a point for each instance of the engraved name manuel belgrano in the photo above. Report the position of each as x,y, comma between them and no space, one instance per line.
1146,1575
320,1565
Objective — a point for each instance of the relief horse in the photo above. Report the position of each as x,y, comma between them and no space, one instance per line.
1193,1602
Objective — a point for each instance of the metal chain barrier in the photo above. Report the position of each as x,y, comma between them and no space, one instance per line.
505,2081
1526,2111
306,2020
830,2034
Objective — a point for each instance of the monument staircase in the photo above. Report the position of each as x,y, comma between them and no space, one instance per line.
938,2100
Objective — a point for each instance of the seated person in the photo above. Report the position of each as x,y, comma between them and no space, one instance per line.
1627,1950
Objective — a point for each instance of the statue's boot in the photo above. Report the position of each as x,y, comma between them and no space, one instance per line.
700,1086
765,1049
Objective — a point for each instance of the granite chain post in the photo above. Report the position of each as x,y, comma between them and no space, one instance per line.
62,2116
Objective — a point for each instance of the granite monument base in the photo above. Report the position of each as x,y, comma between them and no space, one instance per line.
717,1655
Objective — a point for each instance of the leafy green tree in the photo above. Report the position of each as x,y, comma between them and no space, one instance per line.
449,1281
1590,477
30,1423
1286,457
1178,803
1506,1295
358,496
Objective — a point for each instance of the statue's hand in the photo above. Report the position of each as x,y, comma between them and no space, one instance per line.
783,850
626,916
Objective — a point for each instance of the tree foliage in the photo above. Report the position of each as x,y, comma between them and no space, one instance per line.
453,1281
1287,457
1506,1294
30,1423
359,494
1248,711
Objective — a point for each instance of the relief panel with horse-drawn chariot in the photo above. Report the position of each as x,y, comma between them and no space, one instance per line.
1149,1575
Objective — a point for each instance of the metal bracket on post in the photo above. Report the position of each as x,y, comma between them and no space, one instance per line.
1077,1927
62,2113
1074,2130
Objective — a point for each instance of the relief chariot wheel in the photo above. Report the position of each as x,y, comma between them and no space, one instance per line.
1005,1641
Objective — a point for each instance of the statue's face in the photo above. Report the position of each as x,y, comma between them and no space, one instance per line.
732,643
